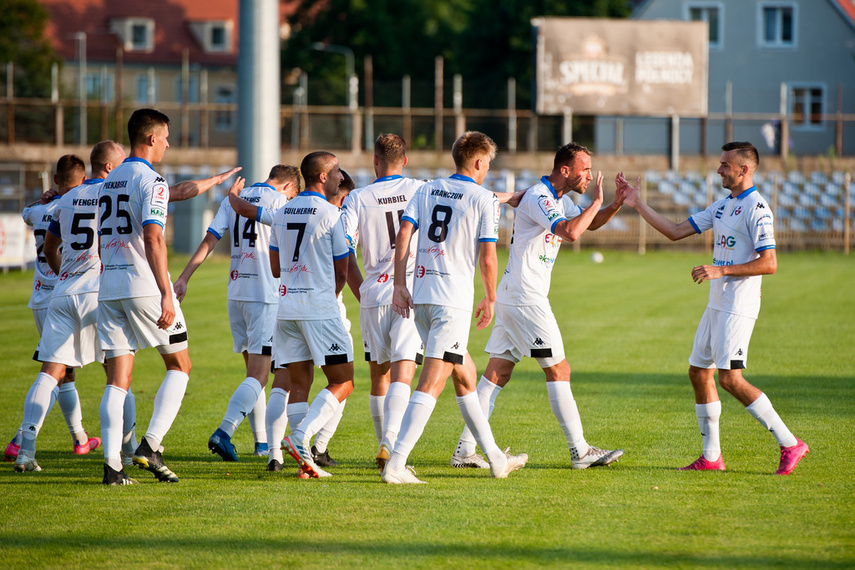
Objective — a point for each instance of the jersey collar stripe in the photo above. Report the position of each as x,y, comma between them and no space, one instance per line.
548,184
263,184
138,159
390,177
456,176
746,193
308,193
93,180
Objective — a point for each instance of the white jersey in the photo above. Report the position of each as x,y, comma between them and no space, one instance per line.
308,234
250,278
372,216
534,246
132,196
453,215
743,227
39,216
75,223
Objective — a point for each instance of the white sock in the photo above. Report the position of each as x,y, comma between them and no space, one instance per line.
487,394
296,413
763,412
412,426
69,403
112,419
323,407
326,432
167,402
129,422
36,406
708,415
567,413
394,406
257,416
476,421
376,403
277,423
240,404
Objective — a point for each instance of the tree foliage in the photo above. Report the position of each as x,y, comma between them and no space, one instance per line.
22,41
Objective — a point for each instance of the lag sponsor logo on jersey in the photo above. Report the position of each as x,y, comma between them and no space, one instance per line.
727,242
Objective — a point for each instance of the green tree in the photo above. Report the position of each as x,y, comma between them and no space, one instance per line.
22,41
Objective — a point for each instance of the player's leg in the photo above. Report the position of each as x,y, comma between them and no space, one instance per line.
36,405
113,414
381,377
496,375
324,435
394,406
277,417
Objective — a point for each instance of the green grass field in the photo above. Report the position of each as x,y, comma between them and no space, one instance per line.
628,325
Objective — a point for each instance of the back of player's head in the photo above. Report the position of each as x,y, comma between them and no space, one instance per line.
104,152
390,149
285,173
471,146
567,154
347,184
746,152
315,164
144,122
70,169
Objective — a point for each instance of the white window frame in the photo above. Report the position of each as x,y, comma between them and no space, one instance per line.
138,79
807,126
124,28
224,121
204,31
777,43
687,8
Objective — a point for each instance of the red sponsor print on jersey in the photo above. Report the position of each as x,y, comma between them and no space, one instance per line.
383,278
736,211
234,275
436,251
158,196
552,239
298,268
37,286
247,255
102,268
282,290
64,276
420,271
116,244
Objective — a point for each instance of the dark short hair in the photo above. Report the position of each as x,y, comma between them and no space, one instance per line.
390,148
143,122
470,146
346,184
744,150
286,173
567,154
315,164
69,170
101,154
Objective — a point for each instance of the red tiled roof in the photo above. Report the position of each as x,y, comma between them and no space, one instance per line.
172,34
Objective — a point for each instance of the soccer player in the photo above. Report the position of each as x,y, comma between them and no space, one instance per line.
138,308
308,251
458,220
525,324
252,299
392,345
55,331
744,251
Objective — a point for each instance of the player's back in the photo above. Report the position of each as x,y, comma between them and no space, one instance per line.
372,217
308,234
77,224
133,196
453,216
250,278
39,216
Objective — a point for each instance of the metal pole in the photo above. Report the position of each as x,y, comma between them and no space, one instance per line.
437,102
151,92
642,225
675,142
204,116
406,105
259,138
81,88
512,114
567,126
59,130
459,118
368,65
785,125
728,111
120,120
847,214
185,98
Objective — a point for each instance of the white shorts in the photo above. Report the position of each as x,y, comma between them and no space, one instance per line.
39,315
444,331
526,331
127,325
387,337
324,342
70,334
721,341
252,324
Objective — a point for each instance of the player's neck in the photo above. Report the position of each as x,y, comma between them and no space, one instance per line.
746,184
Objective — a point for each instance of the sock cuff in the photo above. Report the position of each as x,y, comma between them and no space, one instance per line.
176,375
298,408
328,398
399,389
47,379
279,391
558,389
463,399
121,390
68,387
423,398
759,406
708,410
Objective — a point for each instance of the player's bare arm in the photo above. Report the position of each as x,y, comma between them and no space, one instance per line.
572,229
766,264
354,275
340,268
512,199
202,252
604,215
155,253
274,263
50,249
192,188
402,301
489,269
668,228
239,205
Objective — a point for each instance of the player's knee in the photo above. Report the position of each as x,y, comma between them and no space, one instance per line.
730,380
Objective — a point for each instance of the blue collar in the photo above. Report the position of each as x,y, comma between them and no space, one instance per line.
746,193
390,177
308,193
264,184
93,180
462,177
138,159
548,184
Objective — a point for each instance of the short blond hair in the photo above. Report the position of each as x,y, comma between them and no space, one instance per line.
471,146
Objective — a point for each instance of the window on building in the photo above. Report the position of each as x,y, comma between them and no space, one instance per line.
145,88
224,119
713,14
99,87
218,37
135,34
193,95
807,105
777,24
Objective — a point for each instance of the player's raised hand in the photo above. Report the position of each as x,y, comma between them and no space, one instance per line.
402,301
237,186
484,313
598,188
625,191
223,176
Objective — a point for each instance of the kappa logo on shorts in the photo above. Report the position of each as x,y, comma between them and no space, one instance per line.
455,346
335,347
178,326
739,352
538,342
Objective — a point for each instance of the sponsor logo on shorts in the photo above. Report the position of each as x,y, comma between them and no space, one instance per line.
64,276
335,347
552,239
37,286
538,342
546,259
